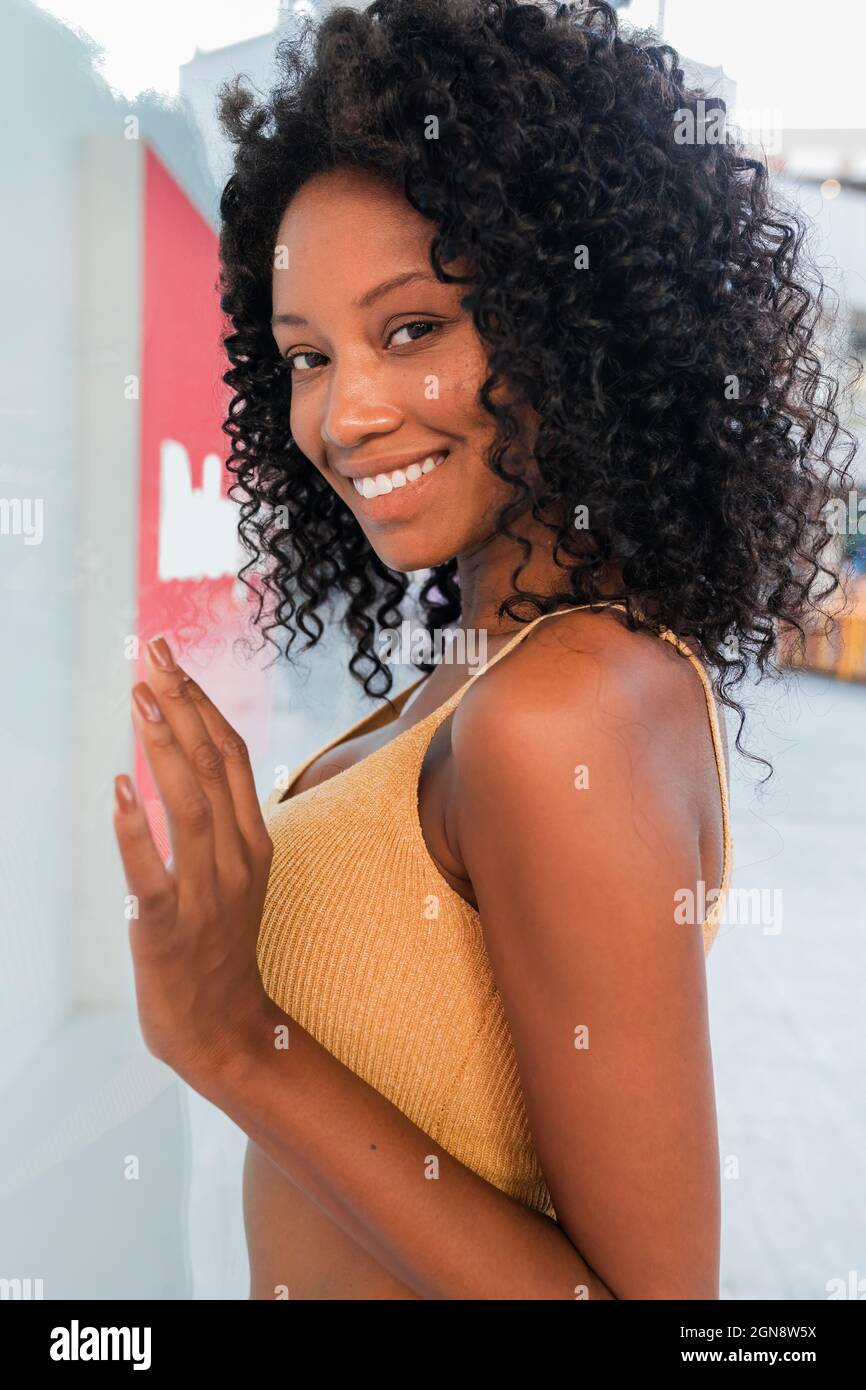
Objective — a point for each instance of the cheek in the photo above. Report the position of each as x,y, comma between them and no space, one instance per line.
305,431
460,379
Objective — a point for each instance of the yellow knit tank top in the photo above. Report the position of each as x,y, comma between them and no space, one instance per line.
366,945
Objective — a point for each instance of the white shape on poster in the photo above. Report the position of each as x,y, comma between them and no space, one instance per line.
198,536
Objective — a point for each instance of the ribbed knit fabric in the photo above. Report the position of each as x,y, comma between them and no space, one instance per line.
371,950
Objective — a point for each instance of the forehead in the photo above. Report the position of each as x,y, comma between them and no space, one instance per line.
352,219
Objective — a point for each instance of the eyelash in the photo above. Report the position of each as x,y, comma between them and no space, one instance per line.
310,352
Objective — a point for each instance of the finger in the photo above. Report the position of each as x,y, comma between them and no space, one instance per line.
202,752
146,876
187,809
236,758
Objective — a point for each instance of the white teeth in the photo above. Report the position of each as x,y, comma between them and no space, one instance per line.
383,483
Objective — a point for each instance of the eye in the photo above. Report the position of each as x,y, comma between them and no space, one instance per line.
290,357
307,352
416,323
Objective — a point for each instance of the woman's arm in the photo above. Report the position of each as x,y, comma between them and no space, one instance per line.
447,1234
577,813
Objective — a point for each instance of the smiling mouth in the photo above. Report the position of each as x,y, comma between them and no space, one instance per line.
383,483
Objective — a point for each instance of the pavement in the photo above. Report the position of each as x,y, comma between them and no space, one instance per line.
787,1000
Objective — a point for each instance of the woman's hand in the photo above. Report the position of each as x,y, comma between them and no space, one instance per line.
194,940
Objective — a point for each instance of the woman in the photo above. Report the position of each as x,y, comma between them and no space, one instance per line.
494,321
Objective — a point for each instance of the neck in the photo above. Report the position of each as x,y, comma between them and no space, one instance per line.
486,576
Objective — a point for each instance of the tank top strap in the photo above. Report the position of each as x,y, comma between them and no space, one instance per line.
527,627
718,753
441,713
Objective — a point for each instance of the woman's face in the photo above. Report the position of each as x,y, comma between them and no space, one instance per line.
385,369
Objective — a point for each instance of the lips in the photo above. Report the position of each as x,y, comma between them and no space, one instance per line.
380,484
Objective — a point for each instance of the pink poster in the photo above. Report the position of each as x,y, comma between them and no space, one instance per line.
189,553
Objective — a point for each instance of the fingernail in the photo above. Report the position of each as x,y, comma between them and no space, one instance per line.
143,697
161,653
124,793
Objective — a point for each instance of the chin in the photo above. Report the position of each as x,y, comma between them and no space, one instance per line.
412,550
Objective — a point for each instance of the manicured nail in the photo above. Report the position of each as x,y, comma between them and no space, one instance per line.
160,653
143,696
124,793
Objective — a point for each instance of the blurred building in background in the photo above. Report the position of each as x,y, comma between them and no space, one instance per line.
824,171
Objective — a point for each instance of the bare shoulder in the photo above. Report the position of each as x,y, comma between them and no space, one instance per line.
587,674
583,703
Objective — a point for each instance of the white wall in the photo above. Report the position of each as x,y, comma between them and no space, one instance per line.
79,1093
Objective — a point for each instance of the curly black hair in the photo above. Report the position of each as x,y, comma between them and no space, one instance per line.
680,379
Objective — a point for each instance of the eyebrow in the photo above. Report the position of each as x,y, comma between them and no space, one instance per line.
371,296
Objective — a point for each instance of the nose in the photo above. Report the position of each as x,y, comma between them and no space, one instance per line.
358,404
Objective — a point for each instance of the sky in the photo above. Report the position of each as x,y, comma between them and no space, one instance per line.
798,58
